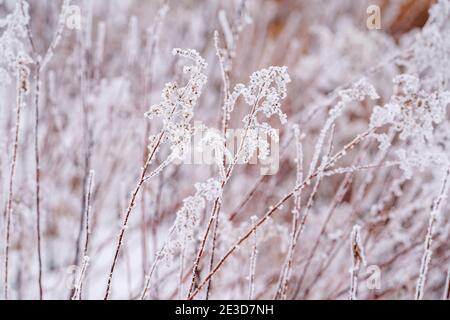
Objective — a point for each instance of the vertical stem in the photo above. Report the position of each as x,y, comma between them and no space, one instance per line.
87,137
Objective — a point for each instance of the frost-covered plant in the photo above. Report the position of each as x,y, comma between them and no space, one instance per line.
13,36
214,142
177,107
358,259
189,215
22,89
